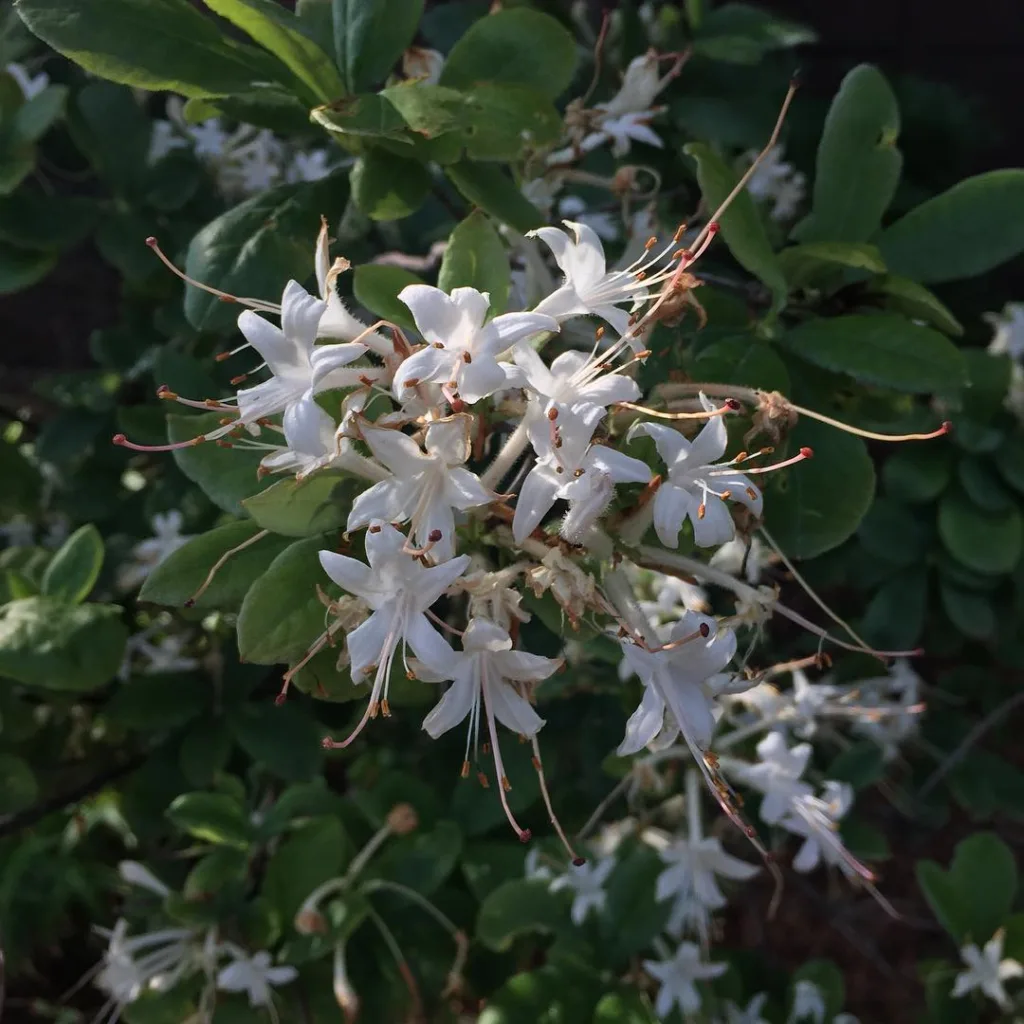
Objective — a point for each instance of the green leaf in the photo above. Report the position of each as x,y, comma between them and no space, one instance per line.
21,269
160,45
254,248
913,300
632,916
377,286
553,993
882,349
174,581
502,118
860,765
370,35
213,818
368,115
1009,461
818,504
303,508
225,475
51,645
518,907
158,702
988,381
35,117
894,532
18,786
744,360
204,750
742,227
987,542
514,46
387,187
423,860
476,258
741,34
313,854
984,872
818,262
858,165
75,567
490,188
218,878
281,614
970,612
283,739
917,472
623,1008
975,226
895,615
32,220
280,32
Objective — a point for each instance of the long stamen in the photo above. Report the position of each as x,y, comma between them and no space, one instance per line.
219,564
699,634
264,307
577,860
731,405
801,456
166,394
871,435
524,834
121,441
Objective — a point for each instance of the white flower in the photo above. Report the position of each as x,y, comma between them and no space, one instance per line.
424,488
167,656
570,468
30,85
18,532
310,437
255,976
134,873
605,225
1009,334
573,589
298,366
697,487
776,774
461,351
742,556
641,84
987,970
678,976
676,679
807,703
586,883
886,708
590,288
778,182
808,1003
751,1014
534,867
399,589
312,166
690,876
148,554
623,131
816,818
576,383
423,64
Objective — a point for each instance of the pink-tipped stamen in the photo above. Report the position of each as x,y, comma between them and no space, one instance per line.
524,834
801,456
703,414
577,860
872,435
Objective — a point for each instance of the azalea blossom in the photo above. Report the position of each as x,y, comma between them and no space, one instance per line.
678,977
698,487
626,129
808,1003
641,84
29,84
570,468
743,556
148,554
676,675
987,971
484,677
461,351
816,819
777,182
586,882
777,774
399,589
750,1014
255,976
1009,331
590,288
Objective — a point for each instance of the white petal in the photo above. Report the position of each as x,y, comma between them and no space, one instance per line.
715,527
463,490
384,500
586,260
511,327
808,856
525,667
449,439
399,452
563,303
670,443
561,246
437,579
350,574
671,505
693,712
621,468
300,315
484,635
437,516
307,428
455,705
709,445
511,709
536,496
472,306
428,645
428,365
480,378
437,317
538,375
644,724
737,483
284,357
327,360
384,546
365,643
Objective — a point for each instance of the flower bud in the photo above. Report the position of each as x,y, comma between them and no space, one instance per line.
402,819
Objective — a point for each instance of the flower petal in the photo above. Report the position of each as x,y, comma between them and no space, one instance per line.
671,506
480,378
536,496
384,500
455,705
644,724
307,428
525,667
463,490
448,439
433,582
365,643
428,365
484,635
512,709
428,645
623,469
511,327
399,452
300,316
351,575
326,360
283,356
437,317
715,527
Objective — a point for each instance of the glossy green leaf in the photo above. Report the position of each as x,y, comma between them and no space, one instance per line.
987,542
500,119
48,644
75,567
367,115
213,818
818,262
515,46
518,907
313,854
918,472
624,1008
476,258
1009,460
370,35
913,300
895,615
377,286
744,360
160,45
281,614
858,165
984,871
490,188
21,268
885,350
739,33
423,860
166,700
36,116
894,532
742,227
818,504
226,475
279,31
387,187
304,508
972,613
633,916
966,231
179,576
860,764
285,740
